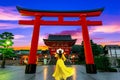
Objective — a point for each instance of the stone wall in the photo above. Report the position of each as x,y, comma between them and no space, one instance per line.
11,62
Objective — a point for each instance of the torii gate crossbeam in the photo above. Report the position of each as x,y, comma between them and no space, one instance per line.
90,66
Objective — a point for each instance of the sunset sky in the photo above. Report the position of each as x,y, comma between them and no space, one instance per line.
108,33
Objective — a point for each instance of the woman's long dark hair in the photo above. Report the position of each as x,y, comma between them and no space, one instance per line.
60,53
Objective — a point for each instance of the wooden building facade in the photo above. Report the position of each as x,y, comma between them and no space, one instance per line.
55,42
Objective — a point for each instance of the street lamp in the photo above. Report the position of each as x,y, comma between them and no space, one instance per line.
73,57
45,56
8,43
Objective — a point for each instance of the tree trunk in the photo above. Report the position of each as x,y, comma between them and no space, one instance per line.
3,62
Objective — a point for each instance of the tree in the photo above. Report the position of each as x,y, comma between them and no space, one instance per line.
79,49
5,44
76,49
96,49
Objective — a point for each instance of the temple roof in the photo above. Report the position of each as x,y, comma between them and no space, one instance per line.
59,38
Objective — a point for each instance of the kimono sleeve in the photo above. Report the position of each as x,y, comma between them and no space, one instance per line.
56,55
63,57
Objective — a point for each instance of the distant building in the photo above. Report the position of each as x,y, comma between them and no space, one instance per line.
23,55
113,53
113,50
55,42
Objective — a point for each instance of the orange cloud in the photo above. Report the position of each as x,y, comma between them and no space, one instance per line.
28,47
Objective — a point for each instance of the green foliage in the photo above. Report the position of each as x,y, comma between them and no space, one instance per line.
5,44
96,49
103,64
79,49
118,60
112,69
76,49
6,39
1,42
8,52
6,35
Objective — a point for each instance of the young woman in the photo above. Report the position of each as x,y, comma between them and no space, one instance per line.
62,71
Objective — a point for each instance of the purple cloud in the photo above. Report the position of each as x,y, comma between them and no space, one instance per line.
10,13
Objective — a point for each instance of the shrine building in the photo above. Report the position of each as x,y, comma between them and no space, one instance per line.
55,42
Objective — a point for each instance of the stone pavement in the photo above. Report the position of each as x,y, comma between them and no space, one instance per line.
45,73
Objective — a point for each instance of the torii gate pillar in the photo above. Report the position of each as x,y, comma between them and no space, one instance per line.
31,67
90,66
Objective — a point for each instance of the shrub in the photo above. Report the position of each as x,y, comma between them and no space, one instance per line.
118,60
112,69
103,64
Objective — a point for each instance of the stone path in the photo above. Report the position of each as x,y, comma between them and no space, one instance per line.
45,73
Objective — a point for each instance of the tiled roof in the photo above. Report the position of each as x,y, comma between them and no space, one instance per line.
27,52
112,46
59,37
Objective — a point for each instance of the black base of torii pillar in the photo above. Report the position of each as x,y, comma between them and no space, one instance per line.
30,68
91,68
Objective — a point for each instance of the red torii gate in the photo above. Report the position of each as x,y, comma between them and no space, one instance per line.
31,67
